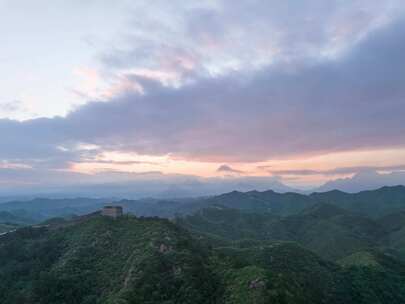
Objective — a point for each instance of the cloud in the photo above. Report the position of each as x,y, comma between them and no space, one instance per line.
12,107
120,162
217,36
307,79
228,169
367,180
356,102
130,185
338,171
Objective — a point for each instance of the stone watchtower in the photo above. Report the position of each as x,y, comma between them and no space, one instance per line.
112,211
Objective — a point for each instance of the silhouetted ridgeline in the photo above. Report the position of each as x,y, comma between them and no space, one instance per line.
373,203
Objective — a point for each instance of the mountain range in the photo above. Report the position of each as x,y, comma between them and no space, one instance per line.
237,247
95,259
373,203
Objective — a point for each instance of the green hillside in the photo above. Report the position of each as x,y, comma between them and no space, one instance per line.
254,247
373,203
101,260
94,259
327,230
395,225
7,217
10,221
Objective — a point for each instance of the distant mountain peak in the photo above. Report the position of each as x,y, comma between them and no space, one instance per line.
392,188
330,193
364,180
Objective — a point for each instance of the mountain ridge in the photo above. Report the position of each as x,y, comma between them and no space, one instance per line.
374,203
128,260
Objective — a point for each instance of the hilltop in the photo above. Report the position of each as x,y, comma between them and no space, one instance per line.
101,260
95,259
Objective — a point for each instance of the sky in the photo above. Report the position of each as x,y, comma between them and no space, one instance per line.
302,92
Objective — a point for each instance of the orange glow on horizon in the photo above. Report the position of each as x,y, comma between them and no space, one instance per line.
134,163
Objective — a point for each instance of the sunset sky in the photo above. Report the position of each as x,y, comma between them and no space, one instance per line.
302,91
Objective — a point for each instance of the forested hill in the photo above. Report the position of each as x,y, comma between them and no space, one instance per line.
128,260
331,232
102,260
375,203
